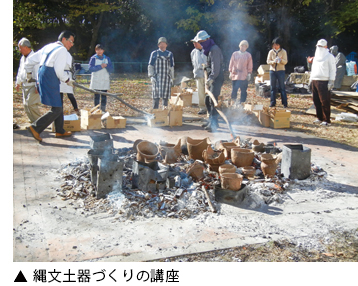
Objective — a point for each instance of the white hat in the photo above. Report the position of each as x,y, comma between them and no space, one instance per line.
244,43
322,42
200,36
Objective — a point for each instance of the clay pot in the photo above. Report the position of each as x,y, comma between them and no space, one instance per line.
212,157
231,181
196,147
147,151
259,147
227,146
170,152
249,171
227,168
242,157
196,170
135,144
268,164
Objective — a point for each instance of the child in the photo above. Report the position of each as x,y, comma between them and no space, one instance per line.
100,66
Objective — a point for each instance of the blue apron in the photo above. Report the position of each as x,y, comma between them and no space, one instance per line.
49,85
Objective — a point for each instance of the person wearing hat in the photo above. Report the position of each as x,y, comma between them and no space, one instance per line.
198,59
277,59
323,74
240,68
30,95
100,67
161,73
340,66
215,80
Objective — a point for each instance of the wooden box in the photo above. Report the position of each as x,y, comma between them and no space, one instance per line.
280,118
115,122
91,119
263,69
176,116
161,118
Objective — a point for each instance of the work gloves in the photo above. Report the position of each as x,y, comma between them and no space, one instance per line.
29,77
277,60
70,82
248,78
209,82
330,84
153,80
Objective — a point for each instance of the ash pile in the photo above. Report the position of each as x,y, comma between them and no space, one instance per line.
182,180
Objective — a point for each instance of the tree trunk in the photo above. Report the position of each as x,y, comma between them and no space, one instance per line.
95,36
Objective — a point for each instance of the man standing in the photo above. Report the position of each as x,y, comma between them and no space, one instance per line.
321,81
198,59
31,98
52,60
161,73
215,70
340,66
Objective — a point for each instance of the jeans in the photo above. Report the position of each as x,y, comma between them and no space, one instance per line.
242,84
215,89
278,76
103,98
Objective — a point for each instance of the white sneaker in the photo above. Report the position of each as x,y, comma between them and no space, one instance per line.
317,121
324,123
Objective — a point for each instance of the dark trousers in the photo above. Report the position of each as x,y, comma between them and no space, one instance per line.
322,100
215,89
156,102
278,76
103,98
72,98
242,84
54,115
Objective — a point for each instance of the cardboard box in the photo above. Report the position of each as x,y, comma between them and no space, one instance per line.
70,123
263,69
176,116
90,120
161,118
184,100
280,118
253,107
115,122
264,118
175,89
263,77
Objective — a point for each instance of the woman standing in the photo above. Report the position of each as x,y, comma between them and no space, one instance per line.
277,59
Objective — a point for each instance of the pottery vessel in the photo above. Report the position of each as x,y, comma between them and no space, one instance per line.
227,146
268,164
196,170
249,171
242,157
147,151
170,152
231,181
260,147
227,168
196,147
212,157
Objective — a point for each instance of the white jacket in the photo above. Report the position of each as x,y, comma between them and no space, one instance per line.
21,73
324,68
64,87
198,59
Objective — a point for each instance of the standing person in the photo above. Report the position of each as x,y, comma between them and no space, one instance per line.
161,73
198,59
240,68
30,95
215,70
277,59
322,77
52,59
340,66
100,66
65,88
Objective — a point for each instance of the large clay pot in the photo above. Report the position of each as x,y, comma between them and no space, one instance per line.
196,147
242,157
227,168
227,146
268,164
146,151
212,157
231,181
170,152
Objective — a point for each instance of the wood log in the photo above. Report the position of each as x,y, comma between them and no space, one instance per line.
208,198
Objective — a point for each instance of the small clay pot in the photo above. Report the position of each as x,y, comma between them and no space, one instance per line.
231,181
227,168
249,171
212,157
147,151
196,170
227,146
242,157
196,147
268,164
260,147
170,152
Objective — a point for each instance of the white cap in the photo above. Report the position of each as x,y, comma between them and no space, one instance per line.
322,43
200,36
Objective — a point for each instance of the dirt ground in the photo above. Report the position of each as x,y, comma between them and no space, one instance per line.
343,246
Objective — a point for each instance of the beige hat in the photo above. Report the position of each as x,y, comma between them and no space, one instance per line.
244,43
322,42
162,39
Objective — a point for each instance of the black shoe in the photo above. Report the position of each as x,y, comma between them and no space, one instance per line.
211,129
205,124
285,106
202,112
272,105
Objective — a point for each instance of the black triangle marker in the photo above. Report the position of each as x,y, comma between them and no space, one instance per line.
20,277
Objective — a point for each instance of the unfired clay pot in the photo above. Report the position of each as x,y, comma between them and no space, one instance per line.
268,164
227,168
147,151
249,171
227,146
212,157
242,157
196,147
231,181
